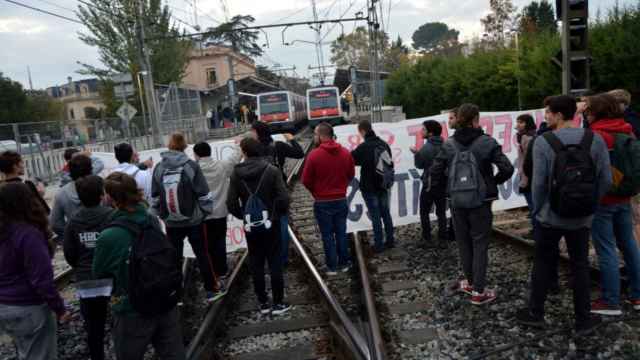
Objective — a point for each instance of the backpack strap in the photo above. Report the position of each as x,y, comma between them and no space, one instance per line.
264,171
587,139
132,227
553,141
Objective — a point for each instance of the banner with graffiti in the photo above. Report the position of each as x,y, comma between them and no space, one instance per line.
405,194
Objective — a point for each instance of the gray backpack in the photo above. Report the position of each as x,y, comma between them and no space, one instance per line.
466,185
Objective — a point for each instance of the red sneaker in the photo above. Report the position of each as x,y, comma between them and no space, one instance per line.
465,287
483,298
635,303
602,308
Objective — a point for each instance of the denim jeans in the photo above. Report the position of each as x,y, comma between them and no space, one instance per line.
427,202
378,207
529,197
32,329
284,238
332,221
613,224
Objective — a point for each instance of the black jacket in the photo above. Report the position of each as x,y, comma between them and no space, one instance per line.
632,118
364,156
80,237
423,159
277,152
273,191
486,150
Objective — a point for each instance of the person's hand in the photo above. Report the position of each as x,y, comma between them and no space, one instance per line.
413,149
41,189
288,136
581,107
148,163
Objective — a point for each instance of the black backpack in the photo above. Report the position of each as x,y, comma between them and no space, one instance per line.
573,178
385,174
154,279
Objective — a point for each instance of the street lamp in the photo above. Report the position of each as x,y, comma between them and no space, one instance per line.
144,114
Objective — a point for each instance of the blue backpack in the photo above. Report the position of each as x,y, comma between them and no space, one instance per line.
256,216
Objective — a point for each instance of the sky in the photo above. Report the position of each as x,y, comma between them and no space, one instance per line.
50,47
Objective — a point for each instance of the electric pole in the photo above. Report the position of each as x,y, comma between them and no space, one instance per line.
147,77
318,43
374,31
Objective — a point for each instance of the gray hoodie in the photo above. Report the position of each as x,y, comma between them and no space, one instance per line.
543,158
65,205
193,197
218,173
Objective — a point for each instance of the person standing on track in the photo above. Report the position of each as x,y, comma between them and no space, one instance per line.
181,198
142,173
217,173
12,169
368,155
526,131
430,196
613,220
80,237
132,330
277,152
327,173
466,164
570,173
258,196
28,295
96,165
452,122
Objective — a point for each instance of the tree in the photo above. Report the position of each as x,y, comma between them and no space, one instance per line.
499,21
233,34
111,28
13,101
537,17
396,55
353,49
434,35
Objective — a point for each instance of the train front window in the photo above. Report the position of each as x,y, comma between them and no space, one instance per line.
323,100
274,104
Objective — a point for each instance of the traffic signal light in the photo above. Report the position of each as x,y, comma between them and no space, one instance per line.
576,73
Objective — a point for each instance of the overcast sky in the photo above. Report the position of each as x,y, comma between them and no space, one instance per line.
50,45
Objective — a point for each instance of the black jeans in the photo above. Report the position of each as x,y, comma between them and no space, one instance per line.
427,201
472,229
216,231
196,235
546,264
263,248
94,314
132,334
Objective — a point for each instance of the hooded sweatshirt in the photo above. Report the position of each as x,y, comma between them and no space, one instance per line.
142,177
487,152
218,173
607,128
364,156
65,205
423,159
26,274
96,168
272,189
328,171
80,238
194,198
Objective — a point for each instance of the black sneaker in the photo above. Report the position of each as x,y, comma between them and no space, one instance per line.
279,309
590,326
265,308
389,245
524,317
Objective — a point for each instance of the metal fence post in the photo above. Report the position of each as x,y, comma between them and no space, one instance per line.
16,136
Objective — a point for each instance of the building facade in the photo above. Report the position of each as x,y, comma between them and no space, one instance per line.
82,103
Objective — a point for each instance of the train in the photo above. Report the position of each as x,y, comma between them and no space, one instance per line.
323,105
282,110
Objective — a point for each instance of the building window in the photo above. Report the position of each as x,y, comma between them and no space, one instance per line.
212,77
84,89
71,114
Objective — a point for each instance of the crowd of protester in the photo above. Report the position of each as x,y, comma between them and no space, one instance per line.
123,235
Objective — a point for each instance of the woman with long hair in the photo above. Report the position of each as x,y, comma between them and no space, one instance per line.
526,127
12,170
28,295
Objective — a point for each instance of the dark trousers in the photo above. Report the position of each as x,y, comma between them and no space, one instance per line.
472,229
94,314
379,211
216,232
427,201
132,334
196,235
265,247
546,264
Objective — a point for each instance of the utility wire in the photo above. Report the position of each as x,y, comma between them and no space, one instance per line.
58,6
341,17
44,11
291,15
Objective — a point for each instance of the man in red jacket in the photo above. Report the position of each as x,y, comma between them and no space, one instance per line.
327,172
612,222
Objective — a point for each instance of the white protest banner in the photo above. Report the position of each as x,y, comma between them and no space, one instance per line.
219,150
405,194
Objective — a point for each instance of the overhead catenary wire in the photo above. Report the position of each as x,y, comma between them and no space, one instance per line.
44,11
58,6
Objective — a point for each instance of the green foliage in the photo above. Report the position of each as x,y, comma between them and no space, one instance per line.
353,49
499,21
233,34
112,29
432,35
19,105
538,16
489,77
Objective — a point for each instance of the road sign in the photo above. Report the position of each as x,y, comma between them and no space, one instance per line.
126,112
231,85
122,78
123,90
